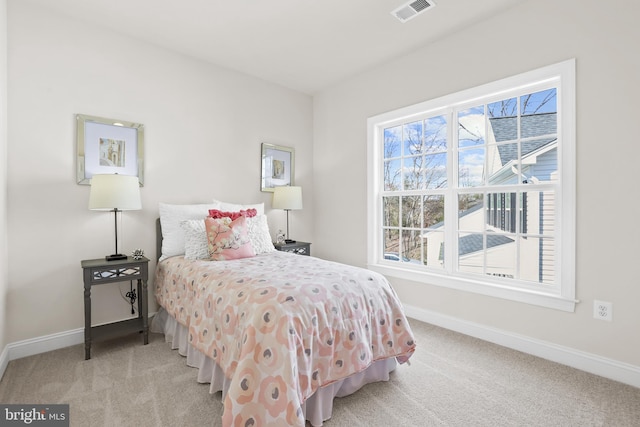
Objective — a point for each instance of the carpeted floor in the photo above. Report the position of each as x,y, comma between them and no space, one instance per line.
453,380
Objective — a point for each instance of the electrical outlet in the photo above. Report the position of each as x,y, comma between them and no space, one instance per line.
603,310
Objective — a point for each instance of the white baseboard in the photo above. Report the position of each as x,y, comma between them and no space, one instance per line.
39,345
51,342
30,347
4,361
604,367
594,364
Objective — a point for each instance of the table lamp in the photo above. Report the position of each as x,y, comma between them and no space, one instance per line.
287,198
115,193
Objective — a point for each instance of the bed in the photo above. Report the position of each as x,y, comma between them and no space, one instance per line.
279,334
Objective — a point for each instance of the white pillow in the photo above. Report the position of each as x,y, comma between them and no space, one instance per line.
195,239
173,239
259,234
234,207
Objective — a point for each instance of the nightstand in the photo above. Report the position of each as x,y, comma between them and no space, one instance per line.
99,272
300,248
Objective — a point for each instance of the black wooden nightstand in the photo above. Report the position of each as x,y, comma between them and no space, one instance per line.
100,271
300,248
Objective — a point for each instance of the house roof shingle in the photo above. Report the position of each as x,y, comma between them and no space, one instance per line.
505,129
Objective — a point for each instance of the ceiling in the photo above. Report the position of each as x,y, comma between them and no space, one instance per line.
305,45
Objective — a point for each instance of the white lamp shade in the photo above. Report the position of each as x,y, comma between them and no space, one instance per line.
109,192
288,198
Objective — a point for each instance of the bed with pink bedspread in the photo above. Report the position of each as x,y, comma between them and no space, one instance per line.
282,333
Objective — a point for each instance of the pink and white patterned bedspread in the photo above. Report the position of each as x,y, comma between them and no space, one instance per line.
281,325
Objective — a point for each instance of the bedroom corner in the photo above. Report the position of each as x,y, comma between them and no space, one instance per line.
3,185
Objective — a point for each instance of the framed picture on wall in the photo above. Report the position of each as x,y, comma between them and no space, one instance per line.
108,146
277,166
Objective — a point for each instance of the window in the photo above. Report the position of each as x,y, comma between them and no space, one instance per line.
476,190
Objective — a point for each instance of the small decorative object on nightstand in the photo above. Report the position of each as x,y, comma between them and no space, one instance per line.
101,271
300,248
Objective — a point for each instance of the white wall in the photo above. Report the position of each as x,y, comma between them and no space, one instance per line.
603,39
204,125
3,174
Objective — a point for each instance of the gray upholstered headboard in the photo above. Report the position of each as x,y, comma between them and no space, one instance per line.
158,239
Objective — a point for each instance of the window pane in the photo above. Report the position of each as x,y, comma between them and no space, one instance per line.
413,138
501,256
471,127
433,244
470,253
471,167
538,103
391,240
412,246
504,108
391,211
470,213
502,212
538,212
503,129
435,169
498,156
539,115
433,211
411,208
503,120
392,175
413,178
435,134
538,125
537,260
540,157
392,142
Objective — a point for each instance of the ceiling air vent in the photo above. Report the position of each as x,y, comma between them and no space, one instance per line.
412,9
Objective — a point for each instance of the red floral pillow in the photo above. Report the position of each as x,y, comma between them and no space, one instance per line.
215,213
228,239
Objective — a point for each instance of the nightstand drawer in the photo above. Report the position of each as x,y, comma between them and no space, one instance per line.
100,271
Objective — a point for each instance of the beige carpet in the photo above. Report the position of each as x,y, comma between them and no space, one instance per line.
453,380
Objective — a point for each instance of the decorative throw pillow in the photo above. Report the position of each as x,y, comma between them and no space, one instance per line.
228,239
195,245
259,235
235,207
249,213
173,239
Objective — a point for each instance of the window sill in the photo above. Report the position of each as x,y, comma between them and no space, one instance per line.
541,299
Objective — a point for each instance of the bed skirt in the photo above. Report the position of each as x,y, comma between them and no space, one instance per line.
316,409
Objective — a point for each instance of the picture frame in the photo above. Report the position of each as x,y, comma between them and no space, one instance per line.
277,167
108,146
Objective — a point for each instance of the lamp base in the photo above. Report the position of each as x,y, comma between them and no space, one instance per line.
115,257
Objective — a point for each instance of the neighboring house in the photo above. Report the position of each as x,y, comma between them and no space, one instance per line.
539,163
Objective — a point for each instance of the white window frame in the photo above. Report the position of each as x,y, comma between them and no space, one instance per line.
562,295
